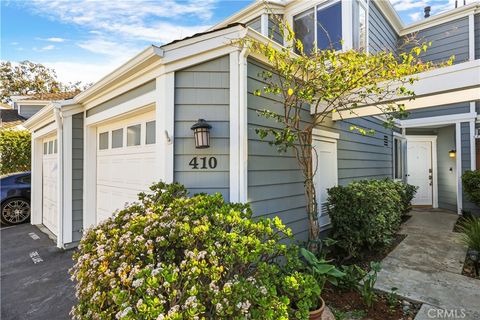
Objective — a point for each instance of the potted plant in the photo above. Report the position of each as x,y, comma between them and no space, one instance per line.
322,271
303,292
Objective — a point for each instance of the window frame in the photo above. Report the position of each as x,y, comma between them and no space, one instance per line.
400,140
356,29
154,122
140,132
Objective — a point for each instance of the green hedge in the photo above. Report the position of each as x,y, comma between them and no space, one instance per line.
15,151
366,214
471,185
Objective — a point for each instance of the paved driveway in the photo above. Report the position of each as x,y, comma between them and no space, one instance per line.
35,283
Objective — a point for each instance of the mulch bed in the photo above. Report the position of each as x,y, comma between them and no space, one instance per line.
350,305
469,269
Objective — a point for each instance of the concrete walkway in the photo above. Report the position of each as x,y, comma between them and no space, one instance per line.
426,267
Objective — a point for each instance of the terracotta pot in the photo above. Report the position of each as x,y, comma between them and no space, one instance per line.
317,314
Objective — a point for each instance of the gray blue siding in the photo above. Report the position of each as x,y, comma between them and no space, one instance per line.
255,24
77,176
274,31
275,182
28,111
477,35
448,109
448,39
202,91
382,36
134,93
446,166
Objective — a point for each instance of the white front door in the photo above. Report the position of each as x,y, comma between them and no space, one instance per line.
125,162
420,170
326,176
49,184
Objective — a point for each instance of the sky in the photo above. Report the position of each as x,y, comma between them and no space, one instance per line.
84,40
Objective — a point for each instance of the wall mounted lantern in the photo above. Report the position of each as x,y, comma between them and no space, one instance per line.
201,132
452,153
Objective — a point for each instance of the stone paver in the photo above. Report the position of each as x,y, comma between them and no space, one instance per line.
426,267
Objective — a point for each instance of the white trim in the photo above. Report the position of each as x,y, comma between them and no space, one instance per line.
473,164
234,107
347,24
453,118
44,131
125,107
458,148
471,37
66,149
264,24
325,134
243,126
165,109
60,184
90,177
433,140
36,184
472,107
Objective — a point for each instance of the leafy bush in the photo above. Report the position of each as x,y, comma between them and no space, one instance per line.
407,192
364,214
15,146
471,185
174,257
470,229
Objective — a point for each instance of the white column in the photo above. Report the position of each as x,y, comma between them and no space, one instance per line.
234,127
165,108
264,24
90,177
458,147
471,37
347,25
36,185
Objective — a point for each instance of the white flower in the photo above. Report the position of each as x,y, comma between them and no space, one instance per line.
137,283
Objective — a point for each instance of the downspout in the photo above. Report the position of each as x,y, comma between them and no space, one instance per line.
57,110
243,167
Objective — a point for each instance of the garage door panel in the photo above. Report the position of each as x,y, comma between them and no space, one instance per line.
49,188
123,172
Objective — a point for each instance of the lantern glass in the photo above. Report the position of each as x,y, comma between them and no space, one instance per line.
201,132
452,153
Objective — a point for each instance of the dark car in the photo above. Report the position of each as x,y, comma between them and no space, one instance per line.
15,198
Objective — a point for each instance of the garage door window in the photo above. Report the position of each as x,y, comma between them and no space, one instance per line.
50,147
150,133
55,146
103,141
117,138
133,135
45,148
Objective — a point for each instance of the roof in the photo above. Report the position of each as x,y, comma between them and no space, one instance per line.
10,118
205,32
52,96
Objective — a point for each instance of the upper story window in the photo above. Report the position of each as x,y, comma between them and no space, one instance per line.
359,25
320,26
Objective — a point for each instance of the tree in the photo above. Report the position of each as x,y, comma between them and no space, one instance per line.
328,81
27,78
14,150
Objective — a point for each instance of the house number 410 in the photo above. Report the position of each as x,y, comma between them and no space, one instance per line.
203,163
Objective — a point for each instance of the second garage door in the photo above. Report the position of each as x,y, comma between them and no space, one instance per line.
49,184
125,162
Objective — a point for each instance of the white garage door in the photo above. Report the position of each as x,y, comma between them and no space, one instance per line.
50,174
125,162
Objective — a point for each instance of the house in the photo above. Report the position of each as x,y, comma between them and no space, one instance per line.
93,153
28,105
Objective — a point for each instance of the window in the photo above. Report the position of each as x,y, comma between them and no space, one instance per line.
329,27
303,26
45,148
55,146
117,138
397,158
360,26
150,137
103,141
320,26
133,135
50,147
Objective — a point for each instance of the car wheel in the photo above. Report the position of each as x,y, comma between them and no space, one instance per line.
15,211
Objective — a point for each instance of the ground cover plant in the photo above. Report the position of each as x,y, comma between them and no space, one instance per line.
172,256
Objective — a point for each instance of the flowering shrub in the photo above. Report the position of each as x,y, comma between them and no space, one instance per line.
175,257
